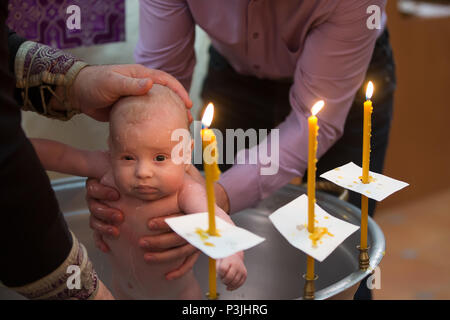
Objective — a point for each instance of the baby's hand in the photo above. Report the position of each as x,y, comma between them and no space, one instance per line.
232,271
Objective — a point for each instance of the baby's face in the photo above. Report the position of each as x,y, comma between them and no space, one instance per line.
141,159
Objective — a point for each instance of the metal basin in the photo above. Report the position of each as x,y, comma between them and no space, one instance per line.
275,268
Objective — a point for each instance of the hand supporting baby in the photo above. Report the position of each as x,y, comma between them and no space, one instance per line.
160,248
163,247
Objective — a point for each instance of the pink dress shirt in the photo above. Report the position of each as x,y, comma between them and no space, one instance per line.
325,45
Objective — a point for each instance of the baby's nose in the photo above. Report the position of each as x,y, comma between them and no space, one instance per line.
144,171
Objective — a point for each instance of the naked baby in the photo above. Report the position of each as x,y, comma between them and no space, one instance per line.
139,165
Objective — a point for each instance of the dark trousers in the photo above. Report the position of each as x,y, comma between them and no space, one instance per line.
248,102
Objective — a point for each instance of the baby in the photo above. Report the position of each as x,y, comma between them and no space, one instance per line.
139,165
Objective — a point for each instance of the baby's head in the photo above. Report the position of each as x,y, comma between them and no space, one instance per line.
141,146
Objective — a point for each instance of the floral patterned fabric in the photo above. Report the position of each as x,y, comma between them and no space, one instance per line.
46,67
55,285
45,21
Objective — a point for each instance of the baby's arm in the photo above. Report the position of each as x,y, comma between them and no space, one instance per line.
56,156
192,199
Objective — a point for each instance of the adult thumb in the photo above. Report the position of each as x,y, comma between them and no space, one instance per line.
128,86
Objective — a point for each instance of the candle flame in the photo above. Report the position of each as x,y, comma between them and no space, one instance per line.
208,115
369,90
317,107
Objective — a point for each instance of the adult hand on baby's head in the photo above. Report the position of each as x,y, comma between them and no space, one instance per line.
168,246
103,219
96,88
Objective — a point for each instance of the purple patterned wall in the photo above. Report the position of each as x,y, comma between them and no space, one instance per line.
45,21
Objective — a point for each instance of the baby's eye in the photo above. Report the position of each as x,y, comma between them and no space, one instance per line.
160,158
128,158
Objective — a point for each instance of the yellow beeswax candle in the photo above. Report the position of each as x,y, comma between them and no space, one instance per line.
364,221
312,150
366,133
309,268
365,163
212,279
212,174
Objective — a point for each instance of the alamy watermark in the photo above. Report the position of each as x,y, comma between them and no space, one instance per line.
74,280
268,160
374,281
374,20
73,22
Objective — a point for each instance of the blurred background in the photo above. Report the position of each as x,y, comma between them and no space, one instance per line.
415,221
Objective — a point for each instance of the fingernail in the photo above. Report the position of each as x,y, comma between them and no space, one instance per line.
149,257
144,243
143,83
117,217
111,231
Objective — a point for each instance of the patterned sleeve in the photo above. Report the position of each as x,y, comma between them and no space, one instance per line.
41,66
55,286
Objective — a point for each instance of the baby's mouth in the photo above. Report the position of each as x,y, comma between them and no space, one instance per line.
145,189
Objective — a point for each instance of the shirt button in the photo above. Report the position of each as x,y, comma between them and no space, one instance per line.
255,35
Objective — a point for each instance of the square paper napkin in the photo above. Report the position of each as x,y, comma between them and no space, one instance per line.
232,239
348,177
292,221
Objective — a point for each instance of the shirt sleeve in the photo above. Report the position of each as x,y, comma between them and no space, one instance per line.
14,42
331,67
166,38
